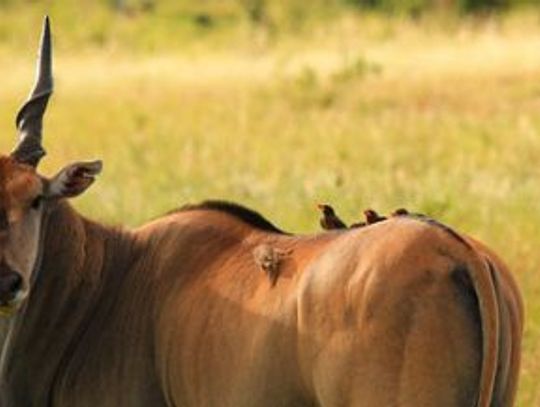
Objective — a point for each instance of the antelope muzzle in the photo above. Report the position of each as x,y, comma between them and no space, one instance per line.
11,289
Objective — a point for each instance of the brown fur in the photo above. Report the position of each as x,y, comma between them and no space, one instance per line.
176,313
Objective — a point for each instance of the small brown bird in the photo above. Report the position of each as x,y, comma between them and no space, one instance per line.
329,219
400,212
269,259
373,217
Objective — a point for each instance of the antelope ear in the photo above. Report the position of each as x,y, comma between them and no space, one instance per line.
73,179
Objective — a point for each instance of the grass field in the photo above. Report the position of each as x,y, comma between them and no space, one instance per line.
439,116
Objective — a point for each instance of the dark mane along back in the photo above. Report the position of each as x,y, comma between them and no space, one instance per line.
238,211
442,226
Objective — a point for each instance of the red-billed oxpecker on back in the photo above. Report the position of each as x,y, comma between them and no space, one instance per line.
329,219
405,312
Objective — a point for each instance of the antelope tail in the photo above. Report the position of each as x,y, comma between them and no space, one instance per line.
482,276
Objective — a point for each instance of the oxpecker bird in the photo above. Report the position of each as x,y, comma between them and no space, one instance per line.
329,219
373,217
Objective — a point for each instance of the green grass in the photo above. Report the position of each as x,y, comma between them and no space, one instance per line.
440,117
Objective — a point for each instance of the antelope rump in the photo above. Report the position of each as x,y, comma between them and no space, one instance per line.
404,312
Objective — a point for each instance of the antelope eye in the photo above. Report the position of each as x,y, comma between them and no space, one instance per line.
36,203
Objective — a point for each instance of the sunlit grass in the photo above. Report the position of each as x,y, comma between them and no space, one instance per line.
359,112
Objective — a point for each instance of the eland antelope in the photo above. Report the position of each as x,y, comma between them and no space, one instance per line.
404,313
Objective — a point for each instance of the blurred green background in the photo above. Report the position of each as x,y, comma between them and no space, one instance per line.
429,105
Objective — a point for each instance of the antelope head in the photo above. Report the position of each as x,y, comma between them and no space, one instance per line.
25,194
